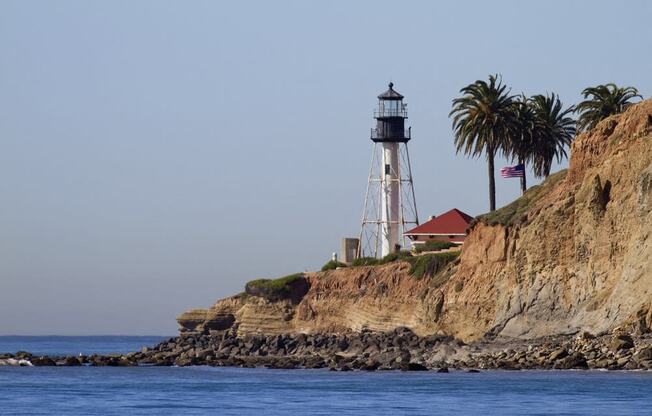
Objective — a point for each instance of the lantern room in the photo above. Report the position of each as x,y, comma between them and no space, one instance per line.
390,118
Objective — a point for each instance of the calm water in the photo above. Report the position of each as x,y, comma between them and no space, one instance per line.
67,345
233,391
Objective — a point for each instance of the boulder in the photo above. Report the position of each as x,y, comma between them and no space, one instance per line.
414,367
69,362
621,342
576,360
558,354
43,361
343,344
370,365
23,355
644,354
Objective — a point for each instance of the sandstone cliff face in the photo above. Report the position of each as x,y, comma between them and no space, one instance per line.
578,258
378,298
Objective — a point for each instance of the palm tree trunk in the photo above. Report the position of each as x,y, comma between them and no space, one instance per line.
523,179
492,179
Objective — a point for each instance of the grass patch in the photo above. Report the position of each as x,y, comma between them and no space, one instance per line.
515,212
391,257
332,265
434,245
426,265
429,265
365,261
273,289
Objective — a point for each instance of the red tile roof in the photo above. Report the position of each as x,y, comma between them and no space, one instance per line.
451,222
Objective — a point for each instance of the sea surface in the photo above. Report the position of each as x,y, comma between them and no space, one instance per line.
75,345
236,391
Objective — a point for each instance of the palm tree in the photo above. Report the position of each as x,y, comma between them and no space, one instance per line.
520,143
482,119
606,100
554,132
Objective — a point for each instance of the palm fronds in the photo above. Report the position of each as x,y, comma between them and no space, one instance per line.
603,101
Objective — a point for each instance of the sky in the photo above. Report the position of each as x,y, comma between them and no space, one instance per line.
157,155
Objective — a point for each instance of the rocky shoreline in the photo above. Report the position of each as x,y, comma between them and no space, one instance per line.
400,349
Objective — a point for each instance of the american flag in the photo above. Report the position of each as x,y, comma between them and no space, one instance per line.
517,171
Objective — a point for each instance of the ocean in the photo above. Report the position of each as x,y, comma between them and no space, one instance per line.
237,391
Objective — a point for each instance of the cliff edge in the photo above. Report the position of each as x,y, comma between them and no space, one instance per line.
573,254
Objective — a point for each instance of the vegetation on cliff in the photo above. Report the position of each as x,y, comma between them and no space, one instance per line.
426,265
429,265
516,211
434,245
489,121
605,101
287,287
482,118
364,261
332,265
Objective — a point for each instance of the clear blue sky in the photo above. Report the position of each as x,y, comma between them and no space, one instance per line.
156,155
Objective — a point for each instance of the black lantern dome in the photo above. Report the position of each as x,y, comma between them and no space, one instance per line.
390,118
390,94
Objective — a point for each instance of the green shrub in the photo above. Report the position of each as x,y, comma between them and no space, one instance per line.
273,289
431,264
391,257
434,245
332,265
365,261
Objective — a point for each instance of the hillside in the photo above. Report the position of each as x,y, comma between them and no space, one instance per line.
574,253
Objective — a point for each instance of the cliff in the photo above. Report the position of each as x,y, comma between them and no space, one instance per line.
573,254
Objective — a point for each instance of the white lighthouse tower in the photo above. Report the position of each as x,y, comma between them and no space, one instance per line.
389,202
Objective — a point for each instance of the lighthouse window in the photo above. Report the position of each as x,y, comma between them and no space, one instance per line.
387,170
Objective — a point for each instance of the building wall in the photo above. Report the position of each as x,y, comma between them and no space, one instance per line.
424,238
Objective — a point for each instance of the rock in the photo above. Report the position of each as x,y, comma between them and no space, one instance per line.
576,360
285,363
603,363
43,362
23,355
184,361
558,354
622,361
507,365
370,365
18,362
585,335
376,351
415,367
442,370
621,342
202,354
644,354
343,344
69,362
314,362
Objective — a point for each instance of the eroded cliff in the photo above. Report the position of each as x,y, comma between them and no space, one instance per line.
573,254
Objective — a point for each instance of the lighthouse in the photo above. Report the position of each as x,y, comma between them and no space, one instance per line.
389,205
